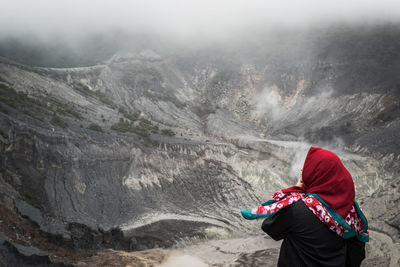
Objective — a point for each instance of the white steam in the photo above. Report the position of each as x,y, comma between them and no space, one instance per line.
269,104
183,260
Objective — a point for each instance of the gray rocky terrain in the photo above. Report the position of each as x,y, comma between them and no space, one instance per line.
148,150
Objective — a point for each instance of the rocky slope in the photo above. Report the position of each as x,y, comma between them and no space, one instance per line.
147,150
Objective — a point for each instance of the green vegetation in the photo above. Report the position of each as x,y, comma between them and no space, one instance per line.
168,95
95,127
13,98
56,120
144,128
85,90
132,116
36,107
148,125
30,114
103,98
55,105
167,132
68,111
173,99
128,126
20,101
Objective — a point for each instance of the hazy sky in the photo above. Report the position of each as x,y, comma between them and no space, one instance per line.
183,18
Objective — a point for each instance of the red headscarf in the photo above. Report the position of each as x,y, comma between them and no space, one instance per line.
325,175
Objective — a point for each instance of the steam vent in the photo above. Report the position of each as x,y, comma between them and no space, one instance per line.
140,147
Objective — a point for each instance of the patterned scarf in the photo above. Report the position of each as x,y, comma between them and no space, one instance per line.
328,193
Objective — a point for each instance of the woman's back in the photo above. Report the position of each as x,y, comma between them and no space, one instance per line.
307,241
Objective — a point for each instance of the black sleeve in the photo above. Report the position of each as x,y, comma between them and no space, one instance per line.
278,225
355,252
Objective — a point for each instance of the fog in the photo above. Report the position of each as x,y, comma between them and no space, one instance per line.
182,19
67,33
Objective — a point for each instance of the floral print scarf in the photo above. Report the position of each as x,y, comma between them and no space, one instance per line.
354,224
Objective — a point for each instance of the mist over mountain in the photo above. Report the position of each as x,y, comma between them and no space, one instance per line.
130,127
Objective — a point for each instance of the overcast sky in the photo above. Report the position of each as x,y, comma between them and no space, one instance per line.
183,18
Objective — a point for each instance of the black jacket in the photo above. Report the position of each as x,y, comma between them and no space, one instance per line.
309,242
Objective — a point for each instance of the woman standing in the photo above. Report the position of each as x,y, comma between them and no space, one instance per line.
319,220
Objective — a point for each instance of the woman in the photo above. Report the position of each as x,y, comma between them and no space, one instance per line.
318,219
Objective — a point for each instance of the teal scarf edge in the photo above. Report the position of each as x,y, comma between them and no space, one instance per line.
250,216
363,237
350,231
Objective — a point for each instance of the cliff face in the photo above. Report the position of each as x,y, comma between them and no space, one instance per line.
146,150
